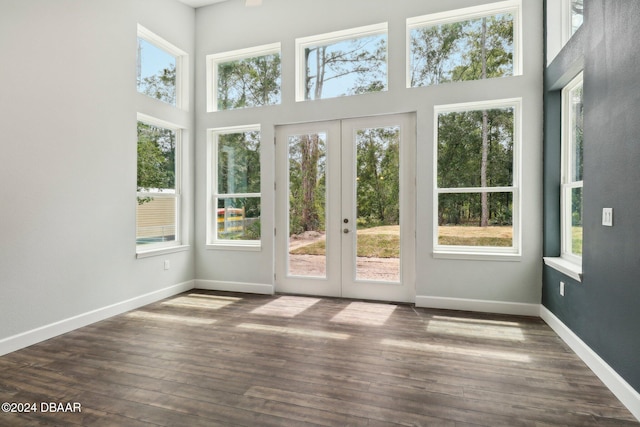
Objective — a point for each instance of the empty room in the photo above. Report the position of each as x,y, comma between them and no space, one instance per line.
319,213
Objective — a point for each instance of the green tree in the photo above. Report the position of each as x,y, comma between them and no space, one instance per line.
364,59
161,86
156,159
378,185
249,82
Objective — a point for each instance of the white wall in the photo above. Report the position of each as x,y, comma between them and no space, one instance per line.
68,117
229,26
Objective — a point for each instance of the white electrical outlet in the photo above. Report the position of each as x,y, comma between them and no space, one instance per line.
167,264
607,217
562,289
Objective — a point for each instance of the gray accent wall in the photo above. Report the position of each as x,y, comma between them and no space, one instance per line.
603,310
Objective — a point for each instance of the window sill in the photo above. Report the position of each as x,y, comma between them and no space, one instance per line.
161,251
479,256
565,267
228,247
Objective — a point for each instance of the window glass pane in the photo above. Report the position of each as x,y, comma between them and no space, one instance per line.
239,162
576,221
155,220
460,219
238,218
347,67
476,49
156,72
577,14
577,121
249,82
475,148
156,158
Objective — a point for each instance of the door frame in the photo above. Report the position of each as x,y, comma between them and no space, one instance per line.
340,280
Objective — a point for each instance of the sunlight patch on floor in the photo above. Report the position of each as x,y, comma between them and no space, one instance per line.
293,331
286,306
484,321
365,313
475,330
201,301
146,315
463,351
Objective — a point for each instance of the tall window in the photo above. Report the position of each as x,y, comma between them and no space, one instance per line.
468,44
244,78
477,192
342,63
160,69
572,170
158,196
234,210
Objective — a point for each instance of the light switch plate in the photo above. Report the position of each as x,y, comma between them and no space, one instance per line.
607,217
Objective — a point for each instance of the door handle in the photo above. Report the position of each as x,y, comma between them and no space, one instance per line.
345,231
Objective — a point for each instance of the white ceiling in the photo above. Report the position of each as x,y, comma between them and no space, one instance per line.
200,3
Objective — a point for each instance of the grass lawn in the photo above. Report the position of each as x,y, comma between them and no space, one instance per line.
370,245
384,242
475,236
576,240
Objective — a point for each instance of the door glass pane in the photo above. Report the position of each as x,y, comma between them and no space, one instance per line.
378,204
307,205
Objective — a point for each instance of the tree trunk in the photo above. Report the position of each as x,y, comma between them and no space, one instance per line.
309,168
484,217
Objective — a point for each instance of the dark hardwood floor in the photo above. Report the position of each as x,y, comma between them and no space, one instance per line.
221,359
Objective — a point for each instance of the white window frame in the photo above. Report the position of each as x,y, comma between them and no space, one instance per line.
482,252
514,7
213,60
567,21
153,248
182,65
213,242
303,43
567,183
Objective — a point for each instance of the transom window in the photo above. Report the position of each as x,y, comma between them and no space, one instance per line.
477,192
158,194
234,210
160,69
244,78
342,63
468,44
572,170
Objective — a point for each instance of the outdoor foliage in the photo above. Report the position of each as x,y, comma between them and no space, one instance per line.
156,160
468,50
162,84
349,67
378,178
307,183
238,170
460,165
249,82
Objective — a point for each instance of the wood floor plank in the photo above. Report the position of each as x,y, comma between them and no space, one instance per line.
207,358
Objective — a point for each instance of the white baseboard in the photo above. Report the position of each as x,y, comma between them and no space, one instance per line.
618,386
499,307
249,288
34,336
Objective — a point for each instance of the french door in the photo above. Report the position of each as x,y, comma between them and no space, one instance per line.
345,208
